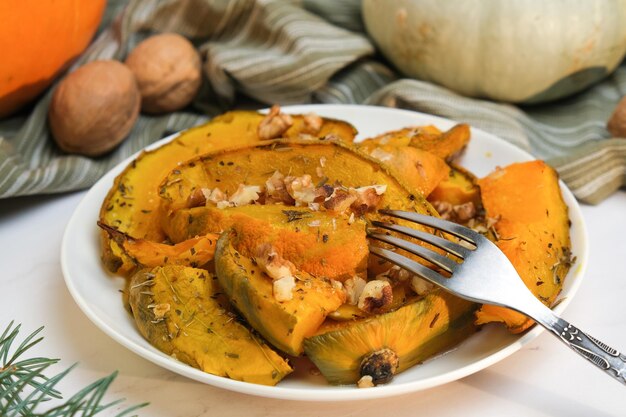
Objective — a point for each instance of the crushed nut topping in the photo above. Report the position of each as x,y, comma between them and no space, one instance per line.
275,190
339,201
244,195
466,211
274,265
337,285
376,295
366,381
301,189
420,285
283,288
395,274
274,124
196,199
353,287
367,198
216,196
313,123
462,213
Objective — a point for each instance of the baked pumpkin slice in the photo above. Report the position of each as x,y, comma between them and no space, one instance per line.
184,313
132,204
446,145
283,305
530,224
374,349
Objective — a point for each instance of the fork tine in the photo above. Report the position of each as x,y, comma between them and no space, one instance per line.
441,243
445,226
410,265
424,253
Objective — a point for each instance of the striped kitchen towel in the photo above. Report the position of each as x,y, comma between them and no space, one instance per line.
260,52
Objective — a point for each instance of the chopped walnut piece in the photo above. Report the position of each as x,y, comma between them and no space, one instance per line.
420,285
353,287
283,287
465,211
274,124
367,198
301,189
215,196
160,310
197,198
337,285
444,209
272,263
313,123
276,191
245,195
376,295
339,201
395,274
366,381
457,213
323,192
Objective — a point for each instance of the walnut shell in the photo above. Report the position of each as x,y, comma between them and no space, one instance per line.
617,122
94,108
168,71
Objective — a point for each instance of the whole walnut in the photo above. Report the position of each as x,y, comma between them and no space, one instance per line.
94,108
168,71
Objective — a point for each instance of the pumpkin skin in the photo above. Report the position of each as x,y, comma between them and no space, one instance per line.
140,180
185,314
532,230
284,324
38,40
414,332
526,52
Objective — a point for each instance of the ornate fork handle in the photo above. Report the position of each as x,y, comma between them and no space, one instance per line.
606,358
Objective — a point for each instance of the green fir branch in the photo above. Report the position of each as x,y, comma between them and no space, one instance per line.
24,385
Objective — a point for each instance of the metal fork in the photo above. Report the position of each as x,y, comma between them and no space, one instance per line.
485,275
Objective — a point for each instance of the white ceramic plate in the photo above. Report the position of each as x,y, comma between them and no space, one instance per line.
96,291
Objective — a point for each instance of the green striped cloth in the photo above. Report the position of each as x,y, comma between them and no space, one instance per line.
257,53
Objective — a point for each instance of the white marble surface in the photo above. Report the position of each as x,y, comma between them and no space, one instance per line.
543,379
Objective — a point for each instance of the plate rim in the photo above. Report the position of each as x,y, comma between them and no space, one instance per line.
327,393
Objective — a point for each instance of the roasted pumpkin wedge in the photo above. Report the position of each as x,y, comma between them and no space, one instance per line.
286,322
383,345
447,145
421,170
182,312
329,162
194,252
459,187
532,229
132,204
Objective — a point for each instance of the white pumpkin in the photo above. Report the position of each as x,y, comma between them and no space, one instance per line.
524,51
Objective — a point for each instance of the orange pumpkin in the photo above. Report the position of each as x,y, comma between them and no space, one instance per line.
38,40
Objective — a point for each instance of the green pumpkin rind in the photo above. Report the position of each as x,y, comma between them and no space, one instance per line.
415,332
183,312
283,324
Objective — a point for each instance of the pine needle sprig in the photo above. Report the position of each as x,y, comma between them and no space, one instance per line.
24,385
